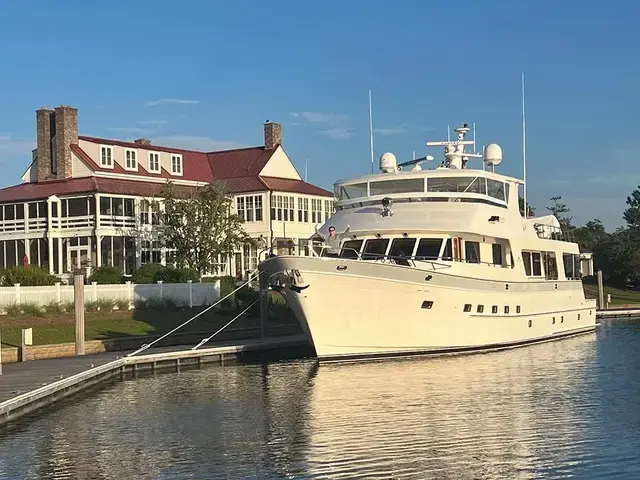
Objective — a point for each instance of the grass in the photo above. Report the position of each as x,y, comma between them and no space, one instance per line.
50,327
618,296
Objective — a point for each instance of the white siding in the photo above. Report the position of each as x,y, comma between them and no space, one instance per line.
279,165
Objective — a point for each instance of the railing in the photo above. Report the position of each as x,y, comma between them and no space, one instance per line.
118,221
551,232
36,224
84,221
12,225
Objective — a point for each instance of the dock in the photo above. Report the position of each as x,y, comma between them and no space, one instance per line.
622,312
26,387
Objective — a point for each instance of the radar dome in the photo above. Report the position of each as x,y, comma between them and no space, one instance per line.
388,163
493,154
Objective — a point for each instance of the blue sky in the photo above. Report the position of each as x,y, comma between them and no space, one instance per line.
205,74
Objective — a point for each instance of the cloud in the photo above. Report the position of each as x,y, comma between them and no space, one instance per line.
331,119
152,122
15,146
338,133
132,130
169,101
190,142
391,131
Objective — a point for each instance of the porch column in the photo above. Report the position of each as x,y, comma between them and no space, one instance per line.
97,200
27,250
98,251
50,245
60,272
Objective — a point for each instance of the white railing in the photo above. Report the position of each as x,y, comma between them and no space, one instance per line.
12,225
36,224
83,221
182,294
117,221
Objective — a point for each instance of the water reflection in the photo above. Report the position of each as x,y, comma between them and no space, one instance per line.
556,410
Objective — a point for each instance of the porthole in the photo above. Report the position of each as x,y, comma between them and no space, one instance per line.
530,323
494,309
480,308
554,320
562,319
506,309
578,316
467,307
506,286
518,309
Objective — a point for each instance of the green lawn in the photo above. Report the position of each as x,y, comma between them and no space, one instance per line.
618,296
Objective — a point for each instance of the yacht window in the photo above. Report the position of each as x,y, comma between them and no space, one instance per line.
345,192
450,184
495,189
576,267
428,249
526,259
375,248
479,185
472,252
567,260
550,265
447,254
385,187
497,253
536,264
402,247
350,249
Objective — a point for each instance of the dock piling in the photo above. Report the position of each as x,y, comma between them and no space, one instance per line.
78,297
601,305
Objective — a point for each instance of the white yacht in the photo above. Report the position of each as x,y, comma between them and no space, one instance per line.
435,261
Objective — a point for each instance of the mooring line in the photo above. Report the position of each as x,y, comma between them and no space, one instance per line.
205,340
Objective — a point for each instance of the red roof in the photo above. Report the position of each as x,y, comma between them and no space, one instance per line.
296,186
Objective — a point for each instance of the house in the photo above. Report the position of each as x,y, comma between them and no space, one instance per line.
85,202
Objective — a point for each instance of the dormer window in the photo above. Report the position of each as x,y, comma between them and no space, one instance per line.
131,159
106,156
154,162
176,164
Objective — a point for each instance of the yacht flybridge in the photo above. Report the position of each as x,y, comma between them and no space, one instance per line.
435,261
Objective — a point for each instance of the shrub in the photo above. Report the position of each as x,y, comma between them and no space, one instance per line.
54,307
68,307
27,277
227,285
177,275
106,275
245,297
91,306
106,304
13,310
32,309
147,273
122,304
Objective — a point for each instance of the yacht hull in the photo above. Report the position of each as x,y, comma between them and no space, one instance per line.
359,310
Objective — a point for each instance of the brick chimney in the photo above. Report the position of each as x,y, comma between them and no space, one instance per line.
272,135
45,127
66,134
142,141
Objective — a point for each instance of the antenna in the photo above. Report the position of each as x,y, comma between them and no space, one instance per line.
414,155
448,133
371,129
524,152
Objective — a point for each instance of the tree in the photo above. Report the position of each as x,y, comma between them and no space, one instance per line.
560,211
199,225
632,214
590,235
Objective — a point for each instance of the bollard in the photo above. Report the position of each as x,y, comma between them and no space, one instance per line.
27,339
78,297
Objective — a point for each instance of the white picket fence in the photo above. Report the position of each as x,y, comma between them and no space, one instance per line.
183,294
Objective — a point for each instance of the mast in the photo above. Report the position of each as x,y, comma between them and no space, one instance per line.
524,152
371,129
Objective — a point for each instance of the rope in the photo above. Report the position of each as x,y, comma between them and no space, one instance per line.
148,345
205,340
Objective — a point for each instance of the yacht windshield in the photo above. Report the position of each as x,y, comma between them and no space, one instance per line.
385,187
346,192
457,184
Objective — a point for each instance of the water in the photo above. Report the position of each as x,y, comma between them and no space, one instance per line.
568,409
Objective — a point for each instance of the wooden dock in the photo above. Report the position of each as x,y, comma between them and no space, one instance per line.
613,313
28,386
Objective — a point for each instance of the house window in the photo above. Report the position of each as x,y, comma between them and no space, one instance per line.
150,252
149,212
240,208
131,159
176,164
250,257
303,210
285,209
316,211
154,162
292,206
258,206
328,209
106,156
249,214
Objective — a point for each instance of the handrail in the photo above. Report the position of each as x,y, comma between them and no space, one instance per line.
148,345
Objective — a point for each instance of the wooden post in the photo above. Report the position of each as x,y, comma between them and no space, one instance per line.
264,301
27,339
600,291
0,352
78,297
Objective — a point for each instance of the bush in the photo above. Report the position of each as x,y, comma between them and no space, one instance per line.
227,285
32,309
177,275
54,307
147,273
154,272
106,275
27,277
